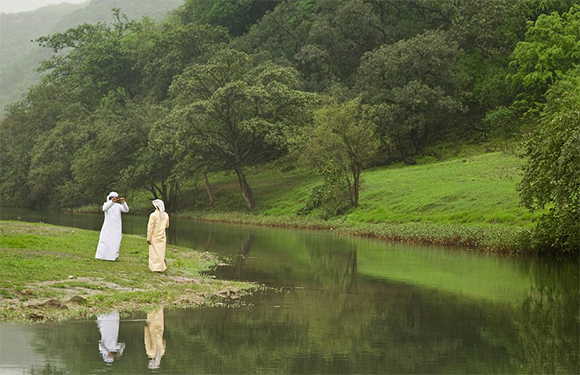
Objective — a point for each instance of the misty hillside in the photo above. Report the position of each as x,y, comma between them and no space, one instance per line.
20,56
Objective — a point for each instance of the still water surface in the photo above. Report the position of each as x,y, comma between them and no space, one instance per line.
339,305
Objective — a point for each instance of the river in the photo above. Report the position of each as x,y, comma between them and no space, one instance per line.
337,305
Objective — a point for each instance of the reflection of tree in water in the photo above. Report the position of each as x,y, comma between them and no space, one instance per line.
547,324
48,369
394,329
334,262
348,324
244,251
72,348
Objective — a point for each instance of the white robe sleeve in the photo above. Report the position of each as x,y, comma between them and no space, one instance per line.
124,207
107,205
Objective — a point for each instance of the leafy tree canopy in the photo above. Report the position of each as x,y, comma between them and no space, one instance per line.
95,59
550,50
236,16
414,85
551,177
232,111
340,146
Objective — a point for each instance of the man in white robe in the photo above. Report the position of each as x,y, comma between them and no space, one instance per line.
111,232
109,346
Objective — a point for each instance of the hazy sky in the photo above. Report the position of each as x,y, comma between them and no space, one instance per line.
15,6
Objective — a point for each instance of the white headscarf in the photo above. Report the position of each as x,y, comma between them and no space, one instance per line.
112,194
158,203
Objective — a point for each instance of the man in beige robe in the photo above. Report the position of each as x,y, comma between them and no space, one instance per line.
158,222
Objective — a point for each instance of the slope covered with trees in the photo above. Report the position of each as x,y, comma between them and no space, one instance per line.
223,86
21,55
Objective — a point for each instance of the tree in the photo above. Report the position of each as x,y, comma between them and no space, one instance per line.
116,155
414,85
74,134
280,34
551,177
348,29
52,157
92,60
488,31
490,28
235,114
551,48
163,51
341,145
238,16
26,121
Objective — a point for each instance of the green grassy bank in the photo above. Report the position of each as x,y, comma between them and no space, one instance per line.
467,201
49,273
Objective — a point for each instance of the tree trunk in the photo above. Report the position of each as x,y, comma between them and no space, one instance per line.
208,189
153,190
352,269
356,186
164,192
246,189
400,145
173,191
419,139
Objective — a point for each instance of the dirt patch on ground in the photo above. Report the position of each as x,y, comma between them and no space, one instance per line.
96,285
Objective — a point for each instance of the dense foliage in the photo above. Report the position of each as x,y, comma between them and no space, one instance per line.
340,146
224,85
552,175
548,62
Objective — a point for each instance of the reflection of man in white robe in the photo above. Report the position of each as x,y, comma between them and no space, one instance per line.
108,346
154,342
111,232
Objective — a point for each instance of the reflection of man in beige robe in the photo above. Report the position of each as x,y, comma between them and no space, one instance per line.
158,222
154,342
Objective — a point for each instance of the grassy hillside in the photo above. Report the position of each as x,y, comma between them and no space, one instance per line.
479,189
